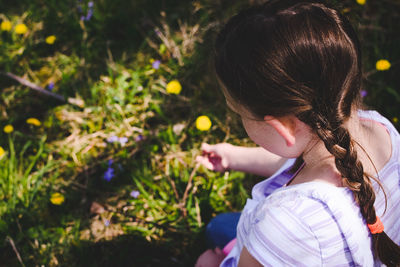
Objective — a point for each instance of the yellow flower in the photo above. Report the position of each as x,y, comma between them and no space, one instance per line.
2,152
57,198
203,123
33,121
382,64
50,39
21,28
395,119
361,2
174,87
6,26
8,128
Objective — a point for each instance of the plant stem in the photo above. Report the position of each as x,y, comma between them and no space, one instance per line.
11,241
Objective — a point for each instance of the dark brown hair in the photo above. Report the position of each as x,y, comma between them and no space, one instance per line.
303,58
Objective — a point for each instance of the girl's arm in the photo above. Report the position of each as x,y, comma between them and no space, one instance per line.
255,160
247,260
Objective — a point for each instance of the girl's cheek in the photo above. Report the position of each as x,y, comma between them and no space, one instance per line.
254,132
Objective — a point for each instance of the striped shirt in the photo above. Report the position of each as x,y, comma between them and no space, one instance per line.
316,223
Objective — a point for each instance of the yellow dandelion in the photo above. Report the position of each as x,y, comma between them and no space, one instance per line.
203,123
21,28
174,87
51,39
8,128
395,119
6,26
361,2
2,152
57,198
382,64
33,121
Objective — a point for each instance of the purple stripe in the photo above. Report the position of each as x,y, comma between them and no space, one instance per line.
241,231
297,205
275,250
353,249
344,265
393,200
396,236
331,242
330,259
391,217
388,168
286,174
385,174
309,211
276,182
282,180
328,220
279,226
274,185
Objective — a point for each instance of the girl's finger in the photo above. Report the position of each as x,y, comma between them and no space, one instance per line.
224,163
205,162
206,147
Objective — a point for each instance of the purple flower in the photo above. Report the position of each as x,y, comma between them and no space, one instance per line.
135,194
123,140
109,174
90,4
89,14
363,93
107,223
112,139
50,86
82,17
156,64
139,138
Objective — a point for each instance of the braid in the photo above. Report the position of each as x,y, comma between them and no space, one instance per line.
338,142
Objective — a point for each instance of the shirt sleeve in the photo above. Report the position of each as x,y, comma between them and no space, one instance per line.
277,236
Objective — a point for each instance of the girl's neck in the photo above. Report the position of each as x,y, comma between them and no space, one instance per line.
320,163
372,142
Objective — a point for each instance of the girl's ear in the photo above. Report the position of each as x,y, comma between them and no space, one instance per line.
286,127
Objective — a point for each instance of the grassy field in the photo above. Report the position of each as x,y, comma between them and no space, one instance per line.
98,110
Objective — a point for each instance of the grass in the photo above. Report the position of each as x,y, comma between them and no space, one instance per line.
114,143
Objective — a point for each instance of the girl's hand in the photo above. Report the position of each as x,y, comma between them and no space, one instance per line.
216,157
210,258
256,160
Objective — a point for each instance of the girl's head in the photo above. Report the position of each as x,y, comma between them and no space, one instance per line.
291,58
301,59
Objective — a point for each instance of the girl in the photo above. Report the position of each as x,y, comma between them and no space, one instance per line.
292,71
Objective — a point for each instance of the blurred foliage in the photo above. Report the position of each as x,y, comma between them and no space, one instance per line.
120,148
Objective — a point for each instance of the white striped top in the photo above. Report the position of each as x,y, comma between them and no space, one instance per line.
315,223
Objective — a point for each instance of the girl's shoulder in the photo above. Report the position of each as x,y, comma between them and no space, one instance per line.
382,144
376,117
320,221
